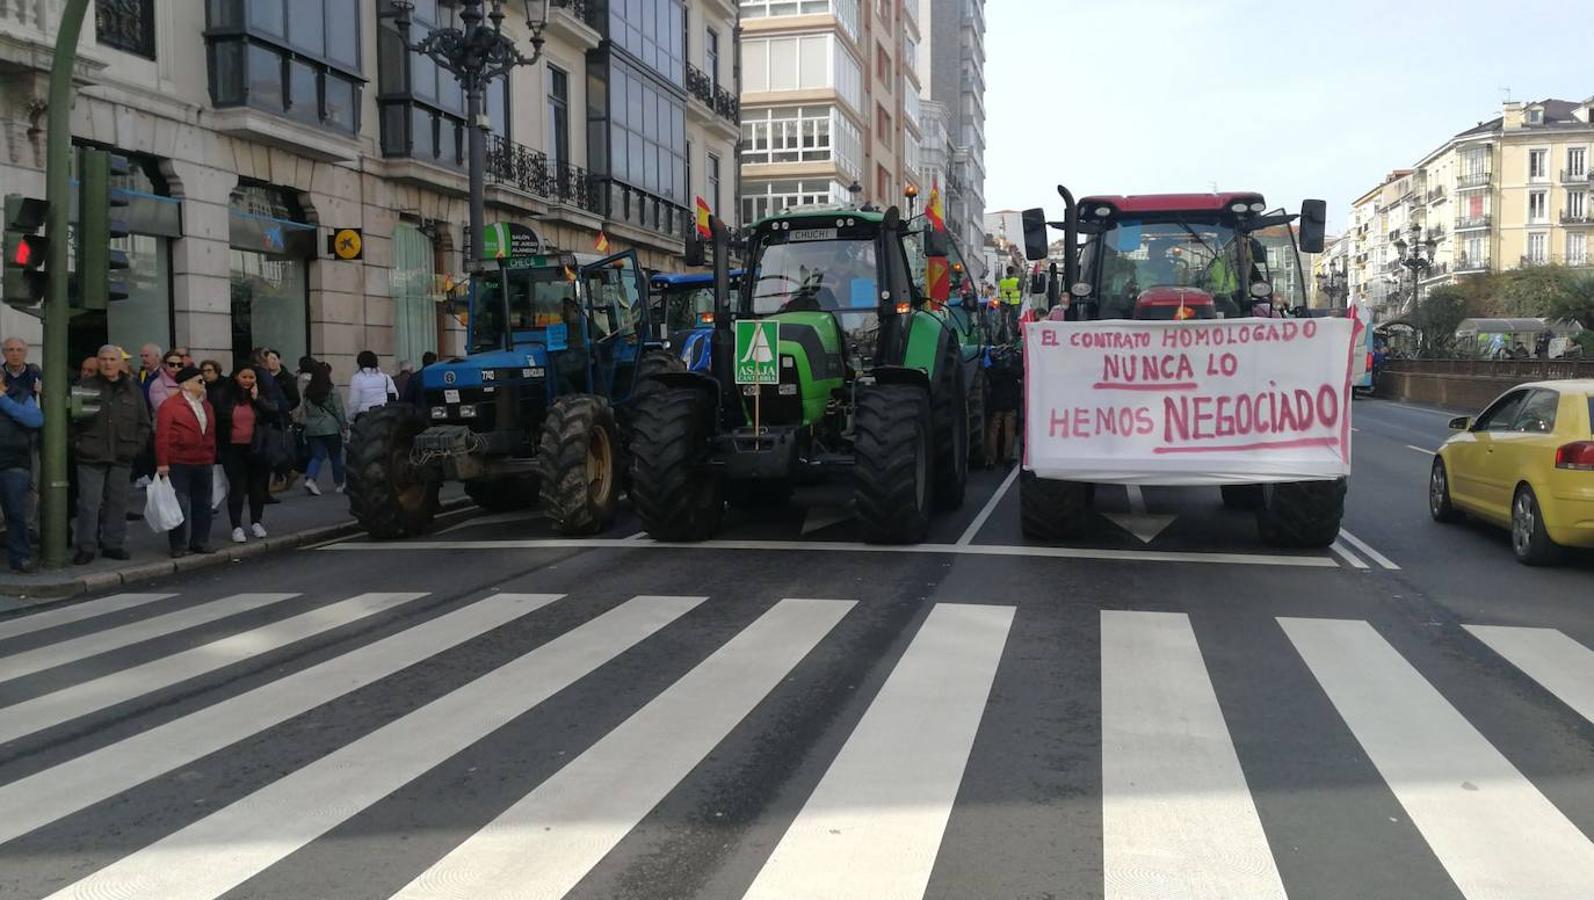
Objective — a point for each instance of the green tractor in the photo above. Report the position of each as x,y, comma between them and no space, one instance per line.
864,382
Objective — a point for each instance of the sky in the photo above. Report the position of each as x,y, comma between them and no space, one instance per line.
1291,98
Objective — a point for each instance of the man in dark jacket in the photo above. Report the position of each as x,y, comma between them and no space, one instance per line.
20,421
106,445
412,392
1007,394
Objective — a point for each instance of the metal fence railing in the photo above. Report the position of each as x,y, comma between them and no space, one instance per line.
1520,370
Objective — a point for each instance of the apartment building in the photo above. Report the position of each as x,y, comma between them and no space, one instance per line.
830,102
1510,192
951,64
256,127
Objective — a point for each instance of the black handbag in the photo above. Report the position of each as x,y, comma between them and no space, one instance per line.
271,446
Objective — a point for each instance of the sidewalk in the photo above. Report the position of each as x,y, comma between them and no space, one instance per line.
298,520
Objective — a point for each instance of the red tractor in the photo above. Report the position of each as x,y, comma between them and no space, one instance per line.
1183,257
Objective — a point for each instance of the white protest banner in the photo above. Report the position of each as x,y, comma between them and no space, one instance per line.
1188,403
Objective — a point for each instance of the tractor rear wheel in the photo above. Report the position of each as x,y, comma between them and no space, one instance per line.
979,450
1301,513
892,464
675,497
502,494
388,495
579,457
1053,510
951,429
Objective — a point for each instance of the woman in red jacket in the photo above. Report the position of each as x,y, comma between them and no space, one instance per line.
185,449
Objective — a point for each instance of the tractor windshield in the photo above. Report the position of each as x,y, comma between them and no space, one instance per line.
688,306
1135,256
793,275
537,298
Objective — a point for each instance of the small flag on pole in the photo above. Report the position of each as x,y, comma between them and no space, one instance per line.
933,209
938,280
702,218
602,243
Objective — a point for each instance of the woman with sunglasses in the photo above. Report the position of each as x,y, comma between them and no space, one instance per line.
164,385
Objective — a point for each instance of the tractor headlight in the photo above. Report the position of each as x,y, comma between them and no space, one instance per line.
468,411
439,412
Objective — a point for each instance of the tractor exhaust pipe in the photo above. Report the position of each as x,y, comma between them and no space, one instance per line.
1070,238
722,344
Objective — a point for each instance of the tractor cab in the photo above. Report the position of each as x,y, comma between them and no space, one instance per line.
684,304
1185,256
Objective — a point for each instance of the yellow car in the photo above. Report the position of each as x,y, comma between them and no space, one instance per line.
1525,463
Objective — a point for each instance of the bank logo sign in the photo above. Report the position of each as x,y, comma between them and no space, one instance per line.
755,352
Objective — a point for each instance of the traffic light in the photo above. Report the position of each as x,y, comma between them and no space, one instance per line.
99,265
25,251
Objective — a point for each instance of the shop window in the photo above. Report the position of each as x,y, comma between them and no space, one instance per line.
411,282
271,250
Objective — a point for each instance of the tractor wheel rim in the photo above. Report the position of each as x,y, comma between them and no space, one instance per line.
1436,490
1522,522
600,471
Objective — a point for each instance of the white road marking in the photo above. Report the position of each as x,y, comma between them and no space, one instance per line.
1561,665
1007,550
873,826
268,825
85,646
1343,552
1490,828
41,798
1177,817
1139,522
507,518
548,840
1137,499
54,708
77,612
1367,549
989,507
1423,450
635,537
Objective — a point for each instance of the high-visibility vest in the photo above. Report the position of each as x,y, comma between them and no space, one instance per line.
1222,277
1009,288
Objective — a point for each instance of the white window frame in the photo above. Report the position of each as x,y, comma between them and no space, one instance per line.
1581,155
761,199
1538,207
1538,247
1577,204
1542,155
1576,248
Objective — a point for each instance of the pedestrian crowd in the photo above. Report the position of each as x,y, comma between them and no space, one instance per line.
178,429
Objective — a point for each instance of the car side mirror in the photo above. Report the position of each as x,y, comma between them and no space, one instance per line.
1461,423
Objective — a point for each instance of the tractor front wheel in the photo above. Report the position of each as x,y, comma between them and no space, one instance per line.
388,495
1301,513
1053,510
579,457
676,498
951,428
892,463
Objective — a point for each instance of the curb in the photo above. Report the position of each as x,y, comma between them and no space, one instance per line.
35,593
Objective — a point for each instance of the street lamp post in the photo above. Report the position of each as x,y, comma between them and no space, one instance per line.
1411,256
1333,284
475,53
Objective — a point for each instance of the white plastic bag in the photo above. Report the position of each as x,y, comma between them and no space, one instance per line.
162,512
218,487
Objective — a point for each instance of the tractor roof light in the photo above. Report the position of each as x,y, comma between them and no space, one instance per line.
1240,208
1261,289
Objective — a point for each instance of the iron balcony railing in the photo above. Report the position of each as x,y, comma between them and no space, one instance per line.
1474,179
531,171
1571,177
585,10
728,105
1574,218
1472,222
724,103
1465,263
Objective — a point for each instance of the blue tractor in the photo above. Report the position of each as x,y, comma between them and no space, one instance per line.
559,344
684,303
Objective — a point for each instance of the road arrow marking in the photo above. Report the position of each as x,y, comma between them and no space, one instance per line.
825,516
1138,521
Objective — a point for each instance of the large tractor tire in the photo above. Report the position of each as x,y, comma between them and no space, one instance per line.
676,498
979,449
892,463
950,418
502,494
1242,496
579,458
1301,513
388,496
1052,510
652,363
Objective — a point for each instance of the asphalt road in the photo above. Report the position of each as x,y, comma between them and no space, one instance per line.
786,713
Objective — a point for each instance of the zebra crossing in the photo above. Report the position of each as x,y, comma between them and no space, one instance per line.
1178,815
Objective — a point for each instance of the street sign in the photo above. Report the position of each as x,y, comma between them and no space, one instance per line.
346,244
508,239
755,352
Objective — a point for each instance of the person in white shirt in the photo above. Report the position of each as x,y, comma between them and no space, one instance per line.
370,386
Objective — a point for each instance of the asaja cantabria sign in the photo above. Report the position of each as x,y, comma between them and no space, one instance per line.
755,352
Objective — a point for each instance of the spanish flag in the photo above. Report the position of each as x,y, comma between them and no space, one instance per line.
602,243
933,210
702,219
938,280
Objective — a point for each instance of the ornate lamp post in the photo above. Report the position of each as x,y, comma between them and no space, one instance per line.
1333,284
1411,256
475,53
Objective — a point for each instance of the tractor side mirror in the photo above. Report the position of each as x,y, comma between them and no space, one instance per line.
695,255
1035,243
936,243
1314,224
